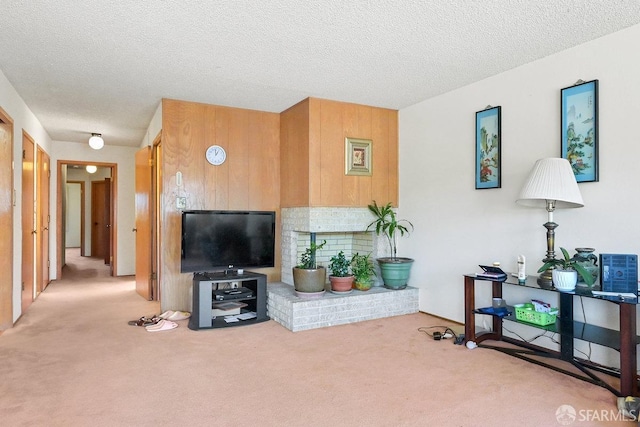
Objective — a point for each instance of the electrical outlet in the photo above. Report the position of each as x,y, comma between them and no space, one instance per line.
181,202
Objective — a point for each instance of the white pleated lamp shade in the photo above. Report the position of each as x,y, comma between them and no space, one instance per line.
551,179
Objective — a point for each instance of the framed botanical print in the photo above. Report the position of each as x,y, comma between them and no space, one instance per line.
488,148
579,129
357,156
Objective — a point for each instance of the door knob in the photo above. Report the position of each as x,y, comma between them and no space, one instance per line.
134,229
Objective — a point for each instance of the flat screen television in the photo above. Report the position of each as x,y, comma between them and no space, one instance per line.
227,240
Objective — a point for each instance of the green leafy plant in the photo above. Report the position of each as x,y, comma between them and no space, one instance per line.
568,263
362,267
308,258
339,265
387,224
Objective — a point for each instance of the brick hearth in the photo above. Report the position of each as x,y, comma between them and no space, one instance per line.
299,314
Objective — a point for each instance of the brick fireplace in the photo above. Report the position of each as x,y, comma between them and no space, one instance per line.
343,229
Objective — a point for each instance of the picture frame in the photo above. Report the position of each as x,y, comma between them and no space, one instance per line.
358,156
579,129
488,148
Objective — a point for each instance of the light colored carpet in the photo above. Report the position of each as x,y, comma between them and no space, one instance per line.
72,360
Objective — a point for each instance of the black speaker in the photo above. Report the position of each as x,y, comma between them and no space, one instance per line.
619,273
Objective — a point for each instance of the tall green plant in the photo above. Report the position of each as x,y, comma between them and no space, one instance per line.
387,224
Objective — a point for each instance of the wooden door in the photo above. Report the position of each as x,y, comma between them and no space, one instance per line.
45,210
156,188
109,213
143,223
100,219
28,221
42,219
6,221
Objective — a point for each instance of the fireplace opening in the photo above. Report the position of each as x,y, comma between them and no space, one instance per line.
344,229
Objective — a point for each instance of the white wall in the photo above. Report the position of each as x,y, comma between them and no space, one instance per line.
73,212
124,157
155,126
458,227
23,119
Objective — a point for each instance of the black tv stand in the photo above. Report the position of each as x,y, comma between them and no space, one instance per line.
204,285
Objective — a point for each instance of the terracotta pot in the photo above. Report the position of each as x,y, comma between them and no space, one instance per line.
341,284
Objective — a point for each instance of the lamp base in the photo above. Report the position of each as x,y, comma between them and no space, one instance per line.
545,280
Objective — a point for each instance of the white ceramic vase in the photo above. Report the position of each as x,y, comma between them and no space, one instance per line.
564,280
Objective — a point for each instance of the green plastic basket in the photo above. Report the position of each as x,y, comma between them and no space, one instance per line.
526,313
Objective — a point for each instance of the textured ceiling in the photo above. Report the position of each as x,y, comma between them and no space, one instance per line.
103,66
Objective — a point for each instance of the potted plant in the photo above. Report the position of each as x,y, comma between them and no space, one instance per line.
340,277
363,271
394,270
308,277
565,272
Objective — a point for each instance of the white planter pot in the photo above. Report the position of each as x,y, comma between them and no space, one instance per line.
564,280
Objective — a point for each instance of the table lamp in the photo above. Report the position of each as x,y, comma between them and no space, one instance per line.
551,185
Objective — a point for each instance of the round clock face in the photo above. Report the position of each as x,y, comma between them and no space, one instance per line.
216,155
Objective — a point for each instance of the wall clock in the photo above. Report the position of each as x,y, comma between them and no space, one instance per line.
216,155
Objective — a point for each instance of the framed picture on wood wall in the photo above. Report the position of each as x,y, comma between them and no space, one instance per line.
358,156
488,148
579,129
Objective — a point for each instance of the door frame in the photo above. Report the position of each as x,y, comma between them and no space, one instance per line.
6,220
60,222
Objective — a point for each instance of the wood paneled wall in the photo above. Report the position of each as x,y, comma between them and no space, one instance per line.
313,136
248,180
291,159
294,155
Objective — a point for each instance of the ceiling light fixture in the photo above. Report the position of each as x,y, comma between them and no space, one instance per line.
91,168
96,142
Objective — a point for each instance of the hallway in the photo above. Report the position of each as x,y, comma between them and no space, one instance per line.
83,267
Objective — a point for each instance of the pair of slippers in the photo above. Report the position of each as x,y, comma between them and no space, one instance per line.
162,325
170,315
145,321
175,315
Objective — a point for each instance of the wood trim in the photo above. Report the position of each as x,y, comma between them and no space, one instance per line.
7,192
